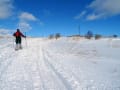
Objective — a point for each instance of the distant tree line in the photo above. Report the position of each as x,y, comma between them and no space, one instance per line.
88,35
56,36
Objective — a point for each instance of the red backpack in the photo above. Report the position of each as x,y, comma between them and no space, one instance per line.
17,34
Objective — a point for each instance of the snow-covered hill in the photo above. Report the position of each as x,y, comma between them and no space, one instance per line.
63,64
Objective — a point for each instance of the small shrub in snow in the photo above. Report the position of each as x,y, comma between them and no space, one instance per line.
97,36
57,35
115,36
89,35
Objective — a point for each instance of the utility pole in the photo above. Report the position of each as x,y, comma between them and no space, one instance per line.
79,29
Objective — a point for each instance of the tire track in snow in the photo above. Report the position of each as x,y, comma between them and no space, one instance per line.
33,69
50,78
35,77
47,76
58,74
39,57
69,80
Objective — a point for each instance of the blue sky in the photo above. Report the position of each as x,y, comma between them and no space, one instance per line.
45,17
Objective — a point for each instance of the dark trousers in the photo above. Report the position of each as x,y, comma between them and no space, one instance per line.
18,40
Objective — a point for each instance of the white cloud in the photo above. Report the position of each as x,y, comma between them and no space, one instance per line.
24,26
24,21
80,15
27,16
101,9
6,7
104,8
94,16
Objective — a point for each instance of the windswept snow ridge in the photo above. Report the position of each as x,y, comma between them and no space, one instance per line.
63,64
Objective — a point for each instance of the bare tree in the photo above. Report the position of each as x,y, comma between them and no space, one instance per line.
58,35
89,35
98,36
115,36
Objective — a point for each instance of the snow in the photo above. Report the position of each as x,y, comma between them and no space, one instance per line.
63,64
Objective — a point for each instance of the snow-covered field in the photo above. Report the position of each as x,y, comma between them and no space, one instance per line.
63,64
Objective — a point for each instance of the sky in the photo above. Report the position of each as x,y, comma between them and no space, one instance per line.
67,17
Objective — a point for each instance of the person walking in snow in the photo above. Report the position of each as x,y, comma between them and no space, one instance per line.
18,39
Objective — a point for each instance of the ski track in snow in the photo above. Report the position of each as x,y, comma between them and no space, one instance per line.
46,65
32,71
70,81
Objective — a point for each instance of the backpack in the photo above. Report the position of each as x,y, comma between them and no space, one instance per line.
17,34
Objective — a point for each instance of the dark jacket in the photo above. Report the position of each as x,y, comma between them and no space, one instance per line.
18,34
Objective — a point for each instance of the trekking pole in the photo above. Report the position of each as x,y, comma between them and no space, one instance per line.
25,40
13,42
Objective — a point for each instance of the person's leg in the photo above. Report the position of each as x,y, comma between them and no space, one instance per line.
20,46
17,41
